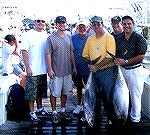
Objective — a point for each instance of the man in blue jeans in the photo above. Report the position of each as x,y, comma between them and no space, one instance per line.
103,70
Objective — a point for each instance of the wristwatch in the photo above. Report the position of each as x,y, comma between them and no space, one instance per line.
126,62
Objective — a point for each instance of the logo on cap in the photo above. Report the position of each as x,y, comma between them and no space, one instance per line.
115,19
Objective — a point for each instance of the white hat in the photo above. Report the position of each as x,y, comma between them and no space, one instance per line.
38,17
83,22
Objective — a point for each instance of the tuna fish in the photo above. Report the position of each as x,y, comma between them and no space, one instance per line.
89,101
121,96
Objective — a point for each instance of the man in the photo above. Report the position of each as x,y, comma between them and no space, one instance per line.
117,26
80,79
61,64
131,48
96,46
11,59
33,51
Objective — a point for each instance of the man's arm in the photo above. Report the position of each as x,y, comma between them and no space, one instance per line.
26,62
73,62
51,73
131,61
99,66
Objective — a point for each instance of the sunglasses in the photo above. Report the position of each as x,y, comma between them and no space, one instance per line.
96,24
127,24
61,22
38,21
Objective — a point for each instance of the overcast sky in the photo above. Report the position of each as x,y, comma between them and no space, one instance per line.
69,8
49,9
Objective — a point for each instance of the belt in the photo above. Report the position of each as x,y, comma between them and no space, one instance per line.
132,67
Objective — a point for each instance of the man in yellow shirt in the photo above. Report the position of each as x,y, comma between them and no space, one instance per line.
98,45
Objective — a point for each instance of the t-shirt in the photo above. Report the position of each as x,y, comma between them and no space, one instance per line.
35,44
60,48
78,44
7,51
96,47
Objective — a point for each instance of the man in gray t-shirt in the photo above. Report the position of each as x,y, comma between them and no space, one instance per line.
61,65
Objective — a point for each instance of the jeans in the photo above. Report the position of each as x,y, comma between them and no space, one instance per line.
105,80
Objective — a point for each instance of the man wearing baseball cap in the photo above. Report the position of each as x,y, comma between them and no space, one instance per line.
97,45
61,66
60,19
116,25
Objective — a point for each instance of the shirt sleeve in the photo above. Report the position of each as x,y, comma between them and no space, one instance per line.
49,47
111,45
24,42
141,45
85,52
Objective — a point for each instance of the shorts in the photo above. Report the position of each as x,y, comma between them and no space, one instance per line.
17,69
80,81
61,85
36,86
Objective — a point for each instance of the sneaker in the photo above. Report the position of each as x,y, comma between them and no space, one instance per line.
42,111
65,116
83,119
55,118
78,109
33,117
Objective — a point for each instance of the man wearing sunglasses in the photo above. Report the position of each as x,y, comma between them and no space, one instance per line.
33,51
96,46
61,65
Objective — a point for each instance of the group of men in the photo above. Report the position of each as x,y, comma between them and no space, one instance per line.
59,55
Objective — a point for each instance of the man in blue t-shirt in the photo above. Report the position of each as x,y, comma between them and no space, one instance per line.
80,79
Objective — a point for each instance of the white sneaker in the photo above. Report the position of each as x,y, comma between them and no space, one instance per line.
78,109
33,117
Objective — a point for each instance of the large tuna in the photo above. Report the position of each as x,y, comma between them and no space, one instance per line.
121,96
89,100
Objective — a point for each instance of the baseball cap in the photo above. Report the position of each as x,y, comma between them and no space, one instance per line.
115,19
38,17
82,22
60,19
96,19
9,38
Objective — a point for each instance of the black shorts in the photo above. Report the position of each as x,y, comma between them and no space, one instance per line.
80,80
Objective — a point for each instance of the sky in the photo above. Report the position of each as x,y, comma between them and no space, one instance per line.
69,8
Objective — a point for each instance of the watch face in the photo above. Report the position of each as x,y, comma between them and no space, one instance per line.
126,61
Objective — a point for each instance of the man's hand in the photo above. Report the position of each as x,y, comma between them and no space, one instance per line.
92,68
119,61
51,74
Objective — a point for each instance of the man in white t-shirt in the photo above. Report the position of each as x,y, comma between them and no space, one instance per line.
33,51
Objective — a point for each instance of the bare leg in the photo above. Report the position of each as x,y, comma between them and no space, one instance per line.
23,80
53,102
63,100
79,96
31,106
39,102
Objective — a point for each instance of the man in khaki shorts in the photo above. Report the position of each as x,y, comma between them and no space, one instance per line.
61,65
